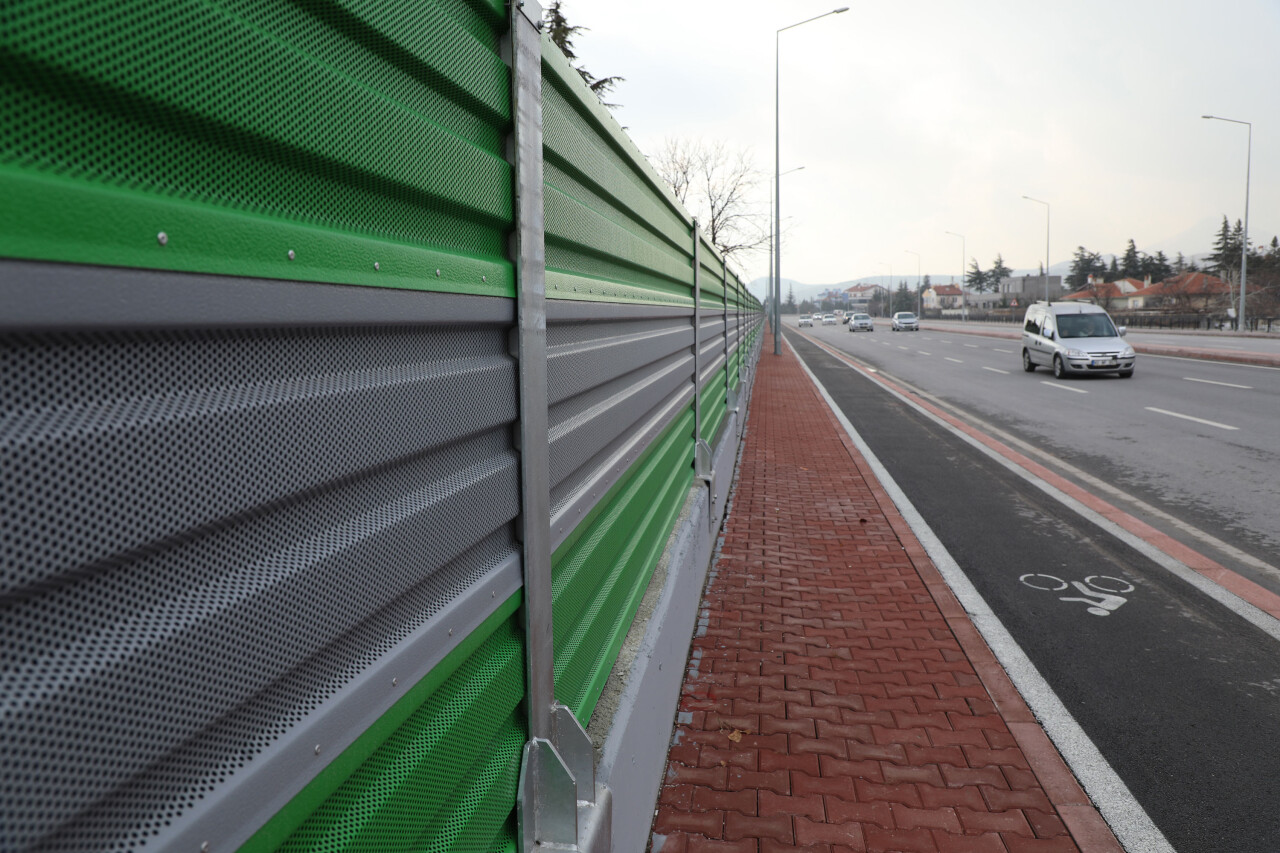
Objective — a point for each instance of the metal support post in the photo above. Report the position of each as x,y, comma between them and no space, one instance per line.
558,802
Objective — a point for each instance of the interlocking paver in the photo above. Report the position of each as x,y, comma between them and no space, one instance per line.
836,695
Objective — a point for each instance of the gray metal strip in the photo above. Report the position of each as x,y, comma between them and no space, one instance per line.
228,815
530,252
620,460
67,297
566,311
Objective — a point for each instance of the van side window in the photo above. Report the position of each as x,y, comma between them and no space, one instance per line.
1033,323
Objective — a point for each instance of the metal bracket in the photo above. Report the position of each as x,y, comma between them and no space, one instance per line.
559,806
702,461
731,399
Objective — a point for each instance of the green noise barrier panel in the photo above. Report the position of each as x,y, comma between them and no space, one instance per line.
282,470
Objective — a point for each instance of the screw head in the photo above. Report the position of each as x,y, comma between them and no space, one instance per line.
162,238
317,749
291,255
376,265
437,273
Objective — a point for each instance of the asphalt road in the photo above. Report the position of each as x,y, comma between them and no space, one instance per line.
1194,445
1180,694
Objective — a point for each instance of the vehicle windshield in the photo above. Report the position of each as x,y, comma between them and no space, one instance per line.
906,316
1085,326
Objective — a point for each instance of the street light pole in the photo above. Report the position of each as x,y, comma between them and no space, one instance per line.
1046,243
777,169
919,292
777,313
889,290
964,309
1244,248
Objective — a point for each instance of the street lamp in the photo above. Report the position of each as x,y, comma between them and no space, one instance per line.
1244,249
777,312
889,289
1046,243
777,164
964,308
919,292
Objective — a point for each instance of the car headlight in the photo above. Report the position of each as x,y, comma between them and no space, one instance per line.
1075,353
1127,352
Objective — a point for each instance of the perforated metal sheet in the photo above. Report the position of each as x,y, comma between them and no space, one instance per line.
205,534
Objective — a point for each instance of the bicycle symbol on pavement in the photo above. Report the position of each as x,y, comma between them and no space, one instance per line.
1102,593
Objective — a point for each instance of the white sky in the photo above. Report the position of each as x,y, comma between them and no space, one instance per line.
917,118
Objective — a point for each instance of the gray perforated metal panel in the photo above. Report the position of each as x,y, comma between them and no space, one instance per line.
206,534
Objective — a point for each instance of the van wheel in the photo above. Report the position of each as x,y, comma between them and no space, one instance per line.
1058,370
1027,364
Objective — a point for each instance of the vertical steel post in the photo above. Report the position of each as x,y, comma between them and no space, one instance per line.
530,255
697,332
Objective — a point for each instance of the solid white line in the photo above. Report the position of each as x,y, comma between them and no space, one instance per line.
1190,418
1132,825
1223,384
1062,387
956,360
996,370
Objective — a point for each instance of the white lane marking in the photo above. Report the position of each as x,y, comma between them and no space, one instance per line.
1190,418
944,340
1005,351
901,347
922,352
1062,387
956,360
972,346
1223,384
1132,825
996,370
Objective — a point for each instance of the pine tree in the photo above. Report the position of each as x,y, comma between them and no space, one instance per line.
1131,266
998,272
976,278
562,34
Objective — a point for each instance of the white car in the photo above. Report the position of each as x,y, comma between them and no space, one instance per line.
861,323
829,320
805,320
905,321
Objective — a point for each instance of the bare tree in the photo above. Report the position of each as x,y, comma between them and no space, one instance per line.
715,183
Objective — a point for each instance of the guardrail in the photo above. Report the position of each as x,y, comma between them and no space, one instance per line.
292,428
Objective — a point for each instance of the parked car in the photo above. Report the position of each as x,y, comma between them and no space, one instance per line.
1074,338
861,323
905,321
829,320
806,320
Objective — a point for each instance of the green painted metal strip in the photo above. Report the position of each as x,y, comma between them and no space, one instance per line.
315,802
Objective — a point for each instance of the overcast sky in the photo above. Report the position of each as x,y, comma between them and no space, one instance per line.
917,118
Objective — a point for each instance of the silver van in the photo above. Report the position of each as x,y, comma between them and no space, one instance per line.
1074,337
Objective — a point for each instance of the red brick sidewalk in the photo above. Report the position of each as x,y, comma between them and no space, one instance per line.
829,704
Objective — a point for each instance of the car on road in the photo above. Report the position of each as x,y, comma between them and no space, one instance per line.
861,323
905,321
805,320
829,320
1070,337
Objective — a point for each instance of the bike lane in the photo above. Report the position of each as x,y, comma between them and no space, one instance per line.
1179,694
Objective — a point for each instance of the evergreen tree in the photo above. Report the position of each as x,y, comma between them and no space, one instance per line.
789,306
1219,261
903,299
1084,264
1114,272
1131,266
1180,265
998,273
562,34
976,278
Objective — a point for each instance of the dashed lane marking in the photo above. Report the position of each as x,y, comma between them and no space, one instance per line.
1190,418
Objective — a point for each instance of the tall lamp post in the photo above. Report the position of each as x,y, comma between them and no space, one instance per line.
777,168
964,309
1244,248
777,311
1046,243
889,290
919,292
